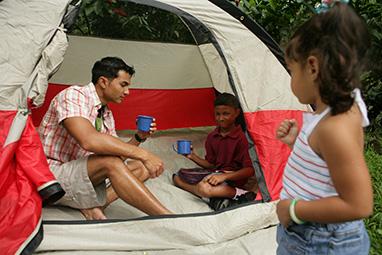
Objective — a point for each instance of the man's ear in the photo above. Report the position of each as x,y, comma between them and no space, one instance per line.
103,81
313,67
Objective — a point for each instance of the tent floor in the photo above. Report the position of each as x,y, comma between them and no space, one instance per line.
177,200
240,230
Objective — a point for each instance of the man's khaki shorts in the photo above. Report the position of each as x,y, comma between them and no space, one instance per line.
80,192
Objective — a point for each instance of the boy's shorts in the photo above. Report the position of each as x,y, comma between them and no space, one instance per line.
80,192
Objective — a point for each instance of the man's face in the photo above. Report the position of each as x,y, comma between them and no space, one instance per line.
117,88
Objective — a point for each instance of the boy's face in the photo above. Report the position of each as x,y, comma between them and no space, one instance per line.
225,116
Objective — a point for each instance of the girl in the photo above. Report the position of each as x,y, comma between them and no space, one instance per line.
326,185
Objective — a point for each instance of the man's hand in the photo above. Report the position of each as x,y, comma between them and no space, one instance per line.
144,135
215,179
287,132
154,165
282,211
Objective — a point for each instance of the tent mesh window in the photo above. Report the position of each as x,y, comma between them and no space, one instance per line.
130,21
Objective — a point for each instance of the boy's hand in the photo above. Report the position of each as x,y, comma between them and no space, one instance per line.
287,132
215,179
192,154
282,211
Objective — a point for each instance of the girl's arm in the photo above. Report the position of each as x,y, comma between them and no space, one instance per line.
340,143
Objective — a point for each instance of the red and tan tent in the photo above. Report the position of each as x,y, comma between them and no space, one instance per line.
176,83
27,59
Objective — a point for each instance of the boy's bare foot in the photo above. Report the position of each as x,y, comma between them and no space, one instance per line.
95,213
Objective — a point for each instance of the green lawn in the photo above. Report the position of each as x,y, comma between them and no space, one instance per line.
374,222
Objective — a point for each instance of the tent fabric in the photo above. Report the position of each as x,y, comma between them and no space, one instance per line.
257,76
252,26
195,229
272,153
167,106
158,65
24,172
170,74
25,176
51,58
190,234
256,89
37,30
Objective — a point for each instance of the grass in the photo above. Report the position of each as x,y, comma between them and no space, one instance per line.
374,222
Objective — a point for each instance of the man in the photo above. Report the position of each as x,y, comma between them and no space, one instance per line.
82,148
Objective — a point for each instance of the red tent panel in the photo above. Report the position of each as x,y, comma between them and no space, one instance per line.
272,153
169,107
23,170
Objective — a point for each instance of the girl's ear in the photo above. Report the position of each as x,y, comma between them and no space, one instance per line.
313,67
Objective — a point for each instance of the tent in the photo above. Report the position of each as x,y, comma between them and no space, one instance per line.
176,83
26,181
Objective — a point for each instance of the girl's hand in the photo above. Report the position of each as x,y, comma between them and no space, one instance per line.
282,211
145,135
215,179
287,132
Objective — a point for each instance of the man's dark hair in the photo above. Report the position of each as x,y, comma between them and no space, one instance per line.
109,67
227,99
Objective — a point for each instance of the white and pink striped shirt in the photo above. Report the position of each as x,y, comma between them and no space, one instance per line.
76,101
306,175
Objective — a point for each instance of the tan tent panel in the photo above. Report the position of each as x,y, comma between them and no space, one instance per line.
158,65
257,90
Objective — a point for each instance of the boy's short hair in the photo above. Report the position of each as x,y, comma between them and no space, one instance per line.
232,101
227,99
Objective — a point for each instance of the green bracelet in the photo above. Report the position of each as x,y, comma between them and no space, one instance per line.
292,212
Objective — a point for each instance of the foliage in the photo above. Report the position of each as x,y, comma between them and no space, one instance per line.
125,20
374,222
372,80
278,18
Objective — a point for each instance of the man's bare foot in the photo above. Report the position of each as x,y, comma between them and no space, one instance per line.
95,213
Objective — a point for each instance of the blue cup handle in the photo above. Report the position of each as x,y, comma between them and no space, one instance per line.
173,147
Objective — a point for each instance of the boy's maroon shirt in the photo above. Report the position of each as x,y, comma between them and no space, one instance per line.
228,152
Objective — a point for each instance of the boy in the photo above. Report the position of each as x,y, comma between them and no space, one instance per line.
226,157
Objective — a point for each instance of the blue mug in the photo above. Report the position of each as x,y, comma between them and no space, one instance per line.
183,147
144,123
